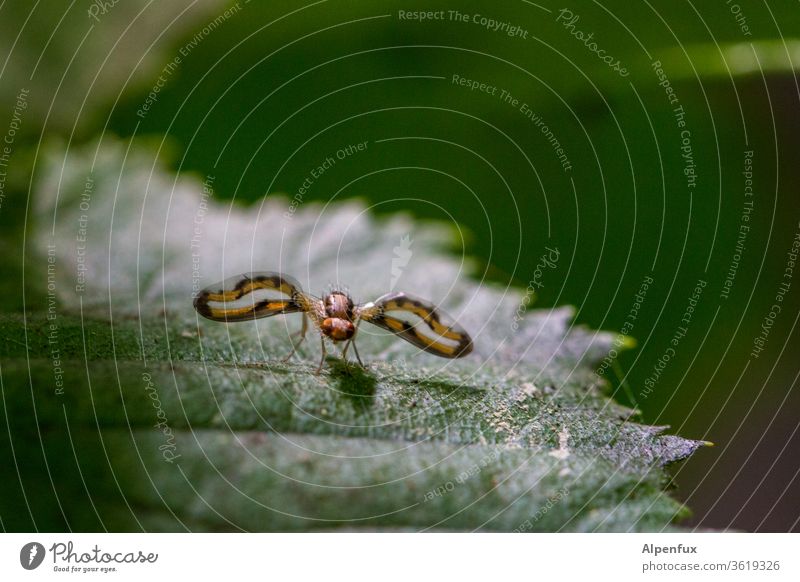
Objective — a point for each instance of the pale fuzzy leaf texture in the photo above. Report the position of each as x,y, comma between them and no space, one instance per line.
204,427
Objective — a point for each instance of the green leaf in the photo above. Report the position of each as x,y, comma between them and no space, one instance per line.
152,419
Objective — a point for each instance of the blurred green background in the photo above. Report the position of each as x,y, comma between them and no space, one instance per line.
260,98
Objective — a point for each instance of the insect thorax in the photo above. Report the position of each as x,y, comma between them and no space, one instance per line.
338,305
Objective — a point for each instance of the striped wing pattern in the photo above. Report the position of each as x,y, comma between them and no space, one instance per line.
419,322
252,296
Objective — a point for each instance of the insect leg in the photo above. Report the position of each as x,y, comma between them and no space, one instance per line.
355,349
324,353
302,338
344,352
352,340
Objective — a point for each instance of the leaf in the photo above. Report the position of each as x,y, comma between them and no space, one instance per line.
165,423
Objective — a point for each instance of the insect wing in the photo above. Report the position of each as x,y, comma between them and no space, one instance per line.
419,322
252,296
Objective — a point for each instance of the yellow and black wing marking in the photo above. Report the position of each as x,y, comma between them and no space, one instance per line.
252,296
419,322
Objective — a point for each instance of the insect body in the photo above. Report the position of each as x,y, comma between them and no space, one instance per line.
257,295
338,325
